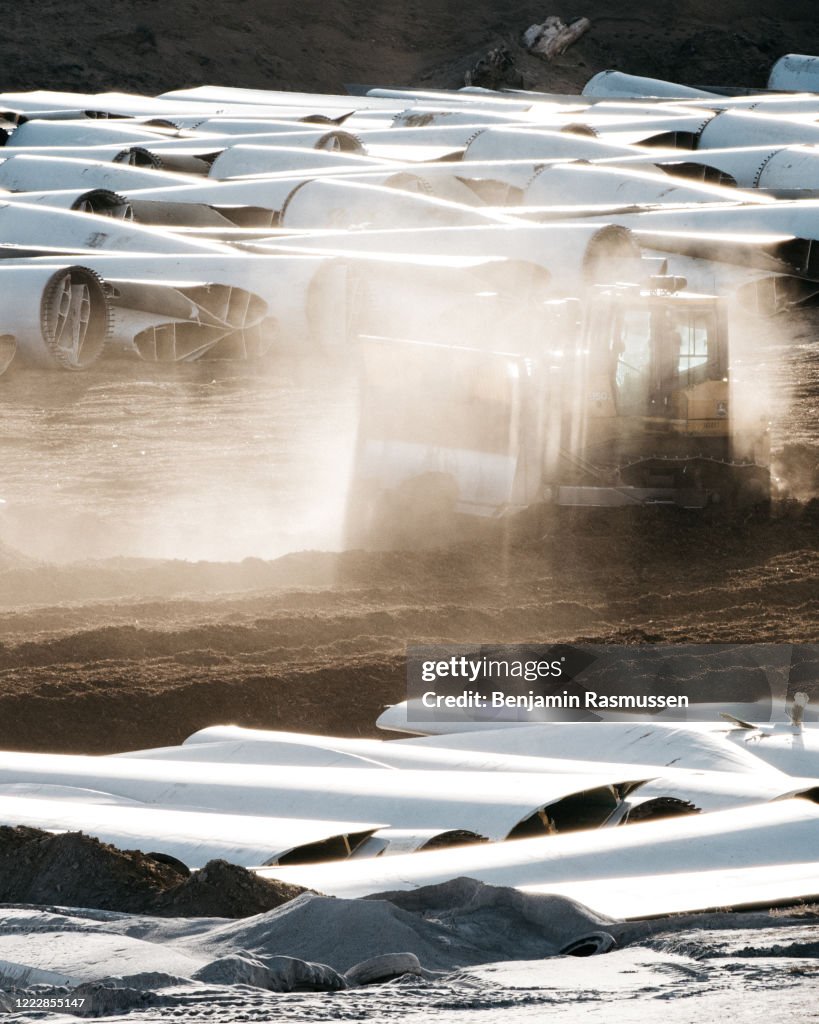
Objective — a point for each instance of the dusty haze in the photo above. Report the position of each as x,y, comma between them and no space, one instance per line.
169,551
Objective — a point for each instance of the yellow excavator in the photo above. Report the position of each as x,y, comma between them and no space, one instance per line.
623,397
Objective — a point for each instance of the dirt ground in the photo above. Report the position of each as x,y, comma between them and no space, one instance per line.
169,550
108,642
141,46
72,869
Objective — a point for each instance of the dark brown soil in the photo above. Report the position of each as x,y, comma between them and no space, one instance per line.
72,869
138,45
328,658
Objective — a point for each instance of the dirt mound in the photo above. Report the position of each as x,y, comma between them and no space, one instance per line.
220,889
94,45
72,869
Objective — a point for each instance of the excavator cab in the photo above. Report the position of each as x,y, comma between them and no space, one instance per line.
657,420
661,345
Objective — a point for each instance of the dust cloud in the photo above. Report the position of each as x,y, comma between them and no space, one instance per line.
171,555
212,461
775,377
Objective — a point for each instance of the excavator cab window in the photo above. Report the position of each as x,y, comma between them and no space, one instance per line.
694,334
658,347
